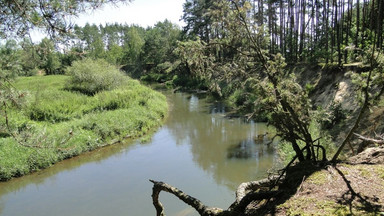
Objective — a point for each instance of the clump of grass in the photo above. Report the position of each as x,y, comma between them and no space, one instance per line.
55,124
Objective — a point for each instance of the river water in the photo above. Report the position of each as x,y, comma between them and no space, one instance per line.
198,150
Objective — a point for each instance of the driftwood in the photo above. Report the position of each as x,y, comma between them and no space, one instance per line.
245,194
193,202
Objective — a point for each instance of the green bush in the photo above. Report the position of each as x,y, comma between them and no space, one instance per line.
91,76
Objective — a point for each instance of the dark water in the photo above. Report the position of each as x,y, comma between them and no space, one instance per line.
197,150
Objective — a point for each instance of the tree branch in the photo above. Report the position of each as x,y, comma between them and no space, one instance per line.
241,191
193,202
370,140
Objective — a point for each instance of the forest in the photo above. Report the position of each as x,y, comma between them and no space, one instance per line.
264,57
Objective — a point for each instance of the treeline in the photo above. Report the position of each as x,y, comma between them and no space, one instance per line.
301,30
328,32
133,48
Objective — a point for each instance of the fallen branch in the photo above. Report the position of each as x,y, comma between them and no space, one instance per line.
370,140
193,202
246,193
239,208
236,209
245,187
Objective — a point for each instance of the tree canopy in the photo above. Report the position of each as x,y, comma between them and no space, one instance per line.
19,17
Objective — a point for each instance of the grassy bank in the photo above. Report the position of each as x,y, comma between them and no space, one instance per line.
53,123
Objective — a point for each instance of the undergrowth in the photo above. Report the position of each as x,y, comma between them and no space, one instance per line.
287,153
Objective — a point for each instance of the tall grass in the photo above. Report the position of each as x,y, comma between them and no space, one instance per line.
55,124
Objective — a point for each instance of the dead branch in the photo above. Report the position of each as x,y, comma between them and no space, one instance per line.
370,140
243,199
239,208
193,202
245,187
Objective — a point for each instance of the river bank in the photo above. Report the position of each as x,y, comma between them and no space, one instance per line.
53,124
197,149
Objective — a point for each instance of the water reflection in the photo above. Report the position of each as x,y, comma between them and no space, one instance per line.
198,150
49,174
216,143
258,147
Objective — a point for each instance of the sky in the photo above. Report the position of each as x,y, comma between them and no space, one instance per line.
141,12
144,13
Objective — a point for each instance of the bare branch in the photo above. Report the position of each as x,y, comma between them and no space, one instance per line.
241,191
370,140
193,202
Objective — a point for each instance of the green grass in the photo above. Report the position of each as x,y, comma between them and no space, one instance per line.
60,124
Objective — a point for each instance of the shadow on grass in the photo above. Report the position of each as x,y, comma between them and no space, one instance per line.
354,200
349,203
295,176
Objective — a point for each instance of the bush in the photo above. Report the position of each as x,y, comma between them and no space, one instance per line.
91,76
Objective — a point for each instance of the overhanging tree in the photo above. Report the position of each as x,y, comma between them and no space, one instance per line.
278,92
19,17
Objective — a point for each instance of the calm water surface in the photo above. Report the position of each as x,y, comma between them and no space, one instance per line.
197,150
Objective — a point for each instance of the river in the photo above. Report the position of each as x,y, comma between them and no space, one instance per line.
198,150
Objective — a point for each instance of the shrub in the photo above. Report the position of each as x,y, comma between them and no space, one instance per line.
91,76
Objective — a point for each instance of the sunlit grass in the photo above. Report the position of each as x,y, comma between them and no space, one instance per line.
59,124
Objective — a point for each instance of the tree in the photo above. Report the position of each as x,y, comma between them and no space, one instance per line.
19,17
133,45
10,58
29,58
114,55
50,61
160,42
278,93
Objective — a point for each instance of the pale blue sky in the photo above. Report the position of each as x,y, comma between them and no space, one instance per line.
142,12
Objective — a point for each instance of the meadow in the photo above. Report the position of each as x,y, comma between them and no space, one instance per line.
55,122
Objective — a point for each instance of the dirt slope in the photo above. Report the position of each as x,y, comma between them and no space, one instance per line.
355,187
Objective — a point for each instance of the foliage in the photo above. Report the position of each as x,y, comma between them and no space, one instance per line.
335,115
10,58
50,61
160,42
276,92
52,16
376,77
71,123
133,45
91,76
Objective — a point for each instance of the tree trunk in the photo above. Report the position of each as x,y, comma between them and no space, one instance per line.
357,26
